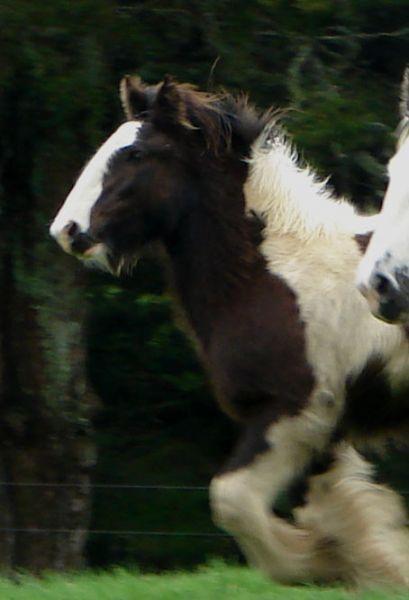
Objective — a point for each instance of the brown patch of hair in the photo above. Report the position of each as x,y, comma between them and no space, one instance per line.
363,239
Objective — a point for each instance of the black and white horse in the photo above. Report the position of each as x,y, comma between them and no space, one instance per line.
263,261
383,275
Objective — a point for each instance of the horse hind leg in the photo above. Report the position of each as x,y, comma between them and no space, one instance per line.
243,494
364,522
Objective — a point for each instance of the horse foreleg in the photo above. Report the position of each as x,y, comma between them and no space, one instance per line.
266,461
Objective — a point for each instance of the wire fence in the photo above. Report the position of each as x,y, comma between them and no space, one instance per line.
119,532
120,486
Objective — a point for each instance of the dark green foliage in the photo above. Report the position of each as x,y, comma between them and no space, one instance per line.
159,424
337,64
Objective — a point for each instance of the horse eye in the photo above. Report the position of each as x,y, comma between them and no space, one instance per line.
133,155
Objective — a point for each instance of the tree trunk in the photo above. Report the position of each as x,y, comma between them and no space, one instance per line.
44,411
47,450
51,106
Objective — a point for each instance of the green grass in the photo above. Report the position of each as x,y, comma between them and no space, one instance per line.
214,582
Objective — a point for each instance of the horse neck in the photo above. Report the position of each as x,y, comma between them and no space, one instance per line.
213,256
290,199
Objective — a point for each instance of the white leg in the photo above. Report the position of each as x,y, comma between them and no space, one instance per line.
365,523
242,498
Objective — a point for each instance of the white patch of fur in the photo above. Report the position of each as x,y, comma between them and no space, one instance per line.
77,207
291,199
341,333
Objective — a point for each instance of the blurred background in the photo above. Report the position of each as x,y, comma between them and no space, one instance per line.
98,389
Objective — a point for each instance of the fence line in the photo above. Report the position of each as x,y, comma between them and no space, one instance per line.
116,532
119,532
111,486
120,486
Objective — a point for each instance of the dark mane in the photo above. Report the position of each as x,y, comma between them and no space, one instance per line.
224,118
221,117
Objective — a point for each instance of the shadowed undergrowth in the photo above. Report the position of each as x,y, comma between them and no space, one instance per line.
215,581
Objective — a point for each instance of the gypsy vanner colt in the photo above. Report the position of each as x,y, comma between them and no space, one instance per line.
263,262
383,275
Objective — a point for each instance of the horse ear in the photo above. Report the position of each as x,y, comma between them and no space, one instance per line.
133,96
170,106
404,95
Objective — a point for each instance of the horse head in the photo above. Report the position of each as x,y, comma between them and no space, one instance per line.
177,145
383,275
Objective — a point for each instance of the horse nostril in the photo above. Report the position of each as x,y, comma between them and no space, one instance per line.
81,243
71,229
74,240
382,284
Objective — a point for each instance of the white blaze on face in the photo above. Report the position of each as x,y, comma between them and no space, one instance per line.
87,189
388,250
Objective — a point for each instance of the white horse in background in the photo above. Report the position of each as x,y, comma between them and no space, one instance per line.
383,275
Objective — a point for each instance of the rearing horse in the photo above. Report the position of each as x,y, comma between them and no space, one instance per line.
263,260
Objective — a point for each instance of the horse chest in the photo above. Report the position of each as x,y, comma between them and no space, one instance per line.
256,354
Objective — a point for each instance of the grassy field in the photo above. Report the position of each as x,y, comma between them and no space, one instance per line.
214,582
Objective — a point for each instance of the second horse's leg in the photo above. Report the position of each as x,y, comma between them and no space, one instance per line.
364,522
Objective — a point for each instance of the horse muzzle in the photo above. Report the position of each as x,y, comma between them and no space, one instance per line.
74,241
85,247
388,297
